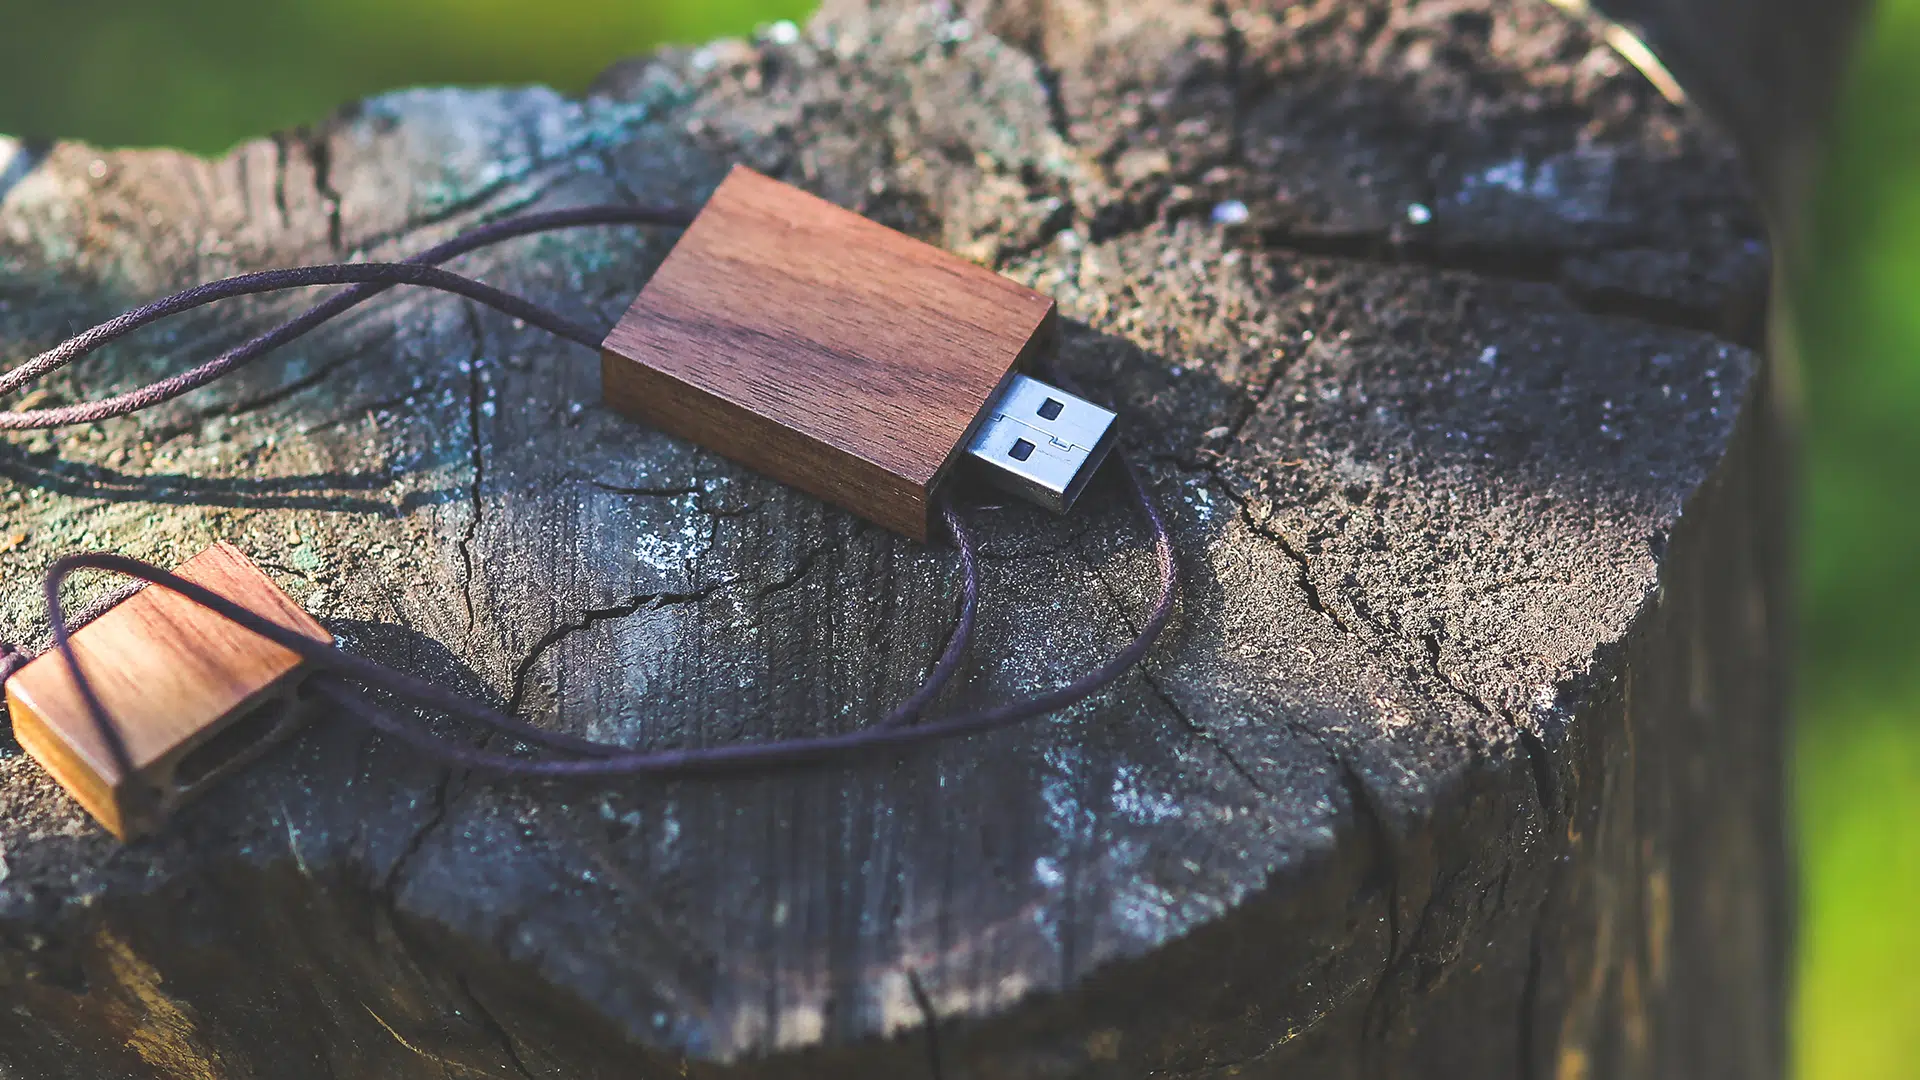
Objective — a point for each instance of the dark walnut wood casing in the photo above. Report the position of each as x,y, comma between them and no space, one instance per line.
821,349
193,695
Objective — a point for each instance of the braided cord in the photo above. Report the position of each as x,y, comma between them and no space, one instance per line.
336,672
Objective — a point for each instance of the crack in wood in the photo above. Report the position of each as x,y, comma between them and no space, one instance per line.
477,336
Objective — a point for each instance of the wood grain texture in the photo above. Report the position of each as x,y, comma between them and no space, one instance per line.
173,676
820,348
1463,758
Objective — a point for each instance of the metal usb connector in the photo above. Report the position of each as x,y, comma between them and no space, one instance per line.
1042,443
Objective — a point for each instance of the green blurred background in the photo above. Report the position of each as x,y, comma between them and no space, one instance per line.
206,73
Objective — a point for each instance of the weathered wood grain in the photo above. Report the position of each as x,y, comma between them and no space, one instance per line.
1462,759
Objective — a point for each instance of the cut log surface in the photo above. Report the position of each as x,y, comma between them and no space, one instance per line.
1432,325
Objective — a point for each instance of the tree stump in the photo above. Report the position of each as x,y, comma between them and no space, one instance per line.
1434,327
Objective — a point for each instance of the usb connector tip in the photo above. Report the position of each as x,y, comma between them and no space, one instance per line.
1042,443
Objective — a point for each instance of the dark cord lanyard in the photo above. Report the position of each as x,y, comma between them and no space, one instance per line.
334,670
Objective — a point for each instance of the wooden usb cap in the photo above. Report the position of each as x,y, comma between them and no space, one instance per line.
821,349
193,696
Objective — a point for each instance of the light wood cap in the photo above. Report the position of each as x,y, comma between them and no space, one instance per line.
193,696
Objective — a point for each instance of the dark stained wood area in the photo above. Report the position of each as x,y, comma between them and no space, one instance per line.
820,348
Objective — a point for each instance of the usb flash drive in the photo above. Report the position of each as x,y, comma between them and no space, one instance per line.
848,360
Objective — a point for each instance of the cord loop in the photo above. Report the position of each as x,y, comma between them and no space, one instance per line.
338,671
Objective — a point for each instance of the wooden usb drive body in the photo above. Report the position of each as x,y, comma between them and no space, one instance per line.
821,349
193,696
